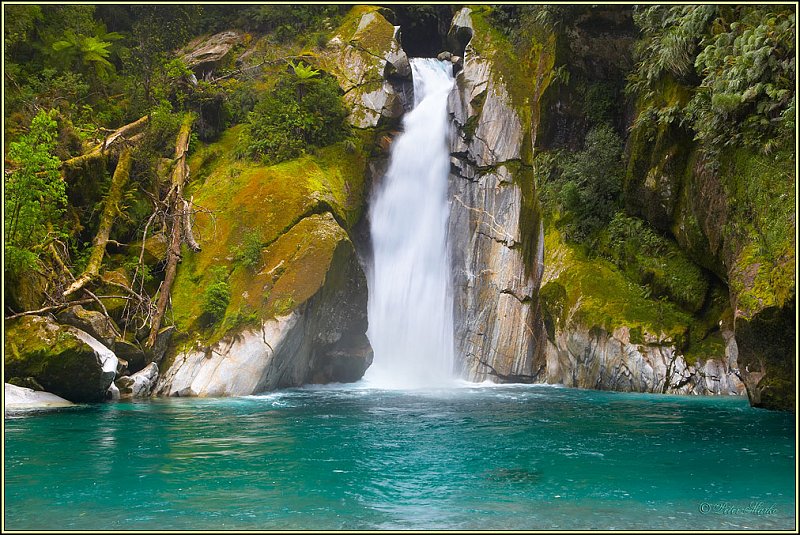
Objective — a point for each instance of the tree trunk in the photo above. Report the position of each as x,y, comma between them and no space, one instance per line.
174,201
112,140
110,213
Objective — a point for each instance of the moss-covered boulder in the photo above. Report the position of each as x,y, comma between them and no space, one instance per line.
366,58
310,328
276,297
63,360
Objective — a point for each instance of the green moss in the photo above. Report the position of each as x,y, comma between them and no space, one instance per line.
654,261
55,358
596,294
277,204
710,347
525,70
760,228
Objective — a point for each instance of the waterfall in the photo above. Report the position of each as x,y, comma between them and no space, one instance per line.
410,296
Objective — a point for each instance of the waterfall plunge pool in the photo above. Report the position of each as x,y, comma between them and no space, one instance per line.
355,457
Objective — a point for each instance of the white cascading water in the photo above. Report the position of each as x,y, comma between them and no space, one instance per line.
410,296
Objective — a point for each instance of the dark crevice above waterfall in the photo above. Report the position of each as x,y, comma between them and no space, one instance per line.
423,28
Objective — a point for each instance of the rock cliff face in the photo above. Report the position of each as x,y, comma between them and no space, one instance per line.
498,332
529,309
609,361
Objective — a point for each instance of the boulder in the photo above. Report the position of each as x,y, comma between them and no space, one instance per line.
461,31
205,54
134,355
371,67
94,323
138,385
64,360
316,334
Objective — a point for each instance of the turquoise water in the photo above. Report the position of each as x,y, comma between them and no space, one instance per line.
510,457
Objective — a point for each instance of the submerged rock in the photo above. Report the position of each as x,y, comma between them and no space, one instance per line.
64,360
17,398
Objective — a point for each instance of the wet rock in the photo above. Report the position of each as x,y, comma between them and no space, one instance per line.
138,385
593,358
62,359
19,398
497,329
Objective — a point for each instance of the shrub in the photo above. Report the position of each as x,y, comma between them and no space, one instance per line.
248,253
303,111
35,194
217,296
585,185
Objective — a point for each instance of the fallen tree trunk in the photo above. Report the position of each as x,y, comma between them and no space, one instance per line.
174,201
110,213
130,132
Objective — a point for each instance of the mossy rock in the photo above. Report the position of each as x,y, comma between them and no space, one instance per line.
578,290
760,229
293,212
767,342
55,358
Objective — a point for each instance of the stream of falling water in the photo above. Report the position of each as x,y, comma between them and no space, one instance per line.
410,294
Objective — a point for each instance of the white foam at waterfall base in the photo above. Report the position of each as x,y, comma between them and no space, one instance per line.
410,294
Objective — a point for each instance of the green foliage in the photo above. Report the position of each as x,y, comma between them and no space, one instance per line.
248,253
301,112
653,261
303,72
287,21
738,60
161,130
748,80
585,186
35,194
88,52
217,295
515,19
600,103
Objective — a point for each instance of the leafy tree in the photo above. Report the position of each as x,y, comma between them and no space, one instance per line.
90,52
287,21
35,194
585,185
157,30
